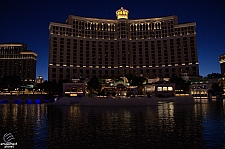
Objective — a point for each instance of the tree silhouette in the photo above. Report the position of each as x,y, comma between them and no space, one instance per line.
11,82
217,89
214,75
94,86
180,84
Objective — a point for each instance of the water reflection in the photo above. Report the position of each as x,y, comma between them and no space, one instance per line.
164,126
213,122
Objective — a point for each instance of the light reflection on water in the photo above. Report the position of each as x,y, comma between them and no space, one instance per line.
167,125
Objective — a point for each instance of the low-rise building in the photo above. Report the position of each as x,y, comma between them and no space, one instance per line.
39,80
120,89
160,88
74,89
200,87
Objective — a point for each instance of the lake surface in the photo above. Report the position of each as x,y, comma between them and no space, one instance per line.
200,125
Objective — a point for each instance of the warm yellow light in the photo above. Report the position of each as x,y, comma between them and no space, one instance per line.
73,94
122,13
164,88
170,88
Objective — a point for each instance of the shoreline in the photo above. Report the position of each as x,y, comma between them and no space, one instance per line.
124,101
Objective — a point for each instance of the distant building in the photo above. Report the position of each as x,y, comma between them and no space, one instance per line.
153,80
152,47
161,88
16,60
222,64
39,80
200,87
75,89
120,88
222,82
185,76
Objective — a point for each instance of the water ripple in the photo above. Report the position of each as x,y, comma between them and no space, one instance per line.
162,126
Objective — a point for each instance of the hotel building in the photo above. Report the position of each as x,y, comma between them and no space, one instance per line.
222,64
16,60
152,47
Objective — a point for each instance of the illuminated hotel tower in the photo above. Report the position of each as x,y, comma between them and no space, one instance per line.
153,47
222,64
16,60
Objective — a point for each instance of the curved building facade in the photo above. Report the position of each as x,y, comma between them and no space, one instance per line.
16,60
153,47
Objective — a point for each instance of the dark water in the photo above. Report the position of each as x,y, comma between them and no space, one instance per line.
201,125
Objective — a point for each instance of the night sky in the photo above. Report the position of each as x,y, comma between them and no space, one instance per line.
27,21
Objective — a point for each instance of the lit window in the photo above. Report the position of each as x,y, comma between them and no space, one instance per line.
164,88
170,88
159,88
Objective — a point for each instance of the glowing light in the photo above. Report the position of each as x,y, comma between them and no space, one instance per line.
122,13
37,101
17,101
170,88
73,94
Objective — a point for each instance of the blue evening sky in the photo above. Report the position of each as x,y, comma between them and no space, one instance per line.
27,21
